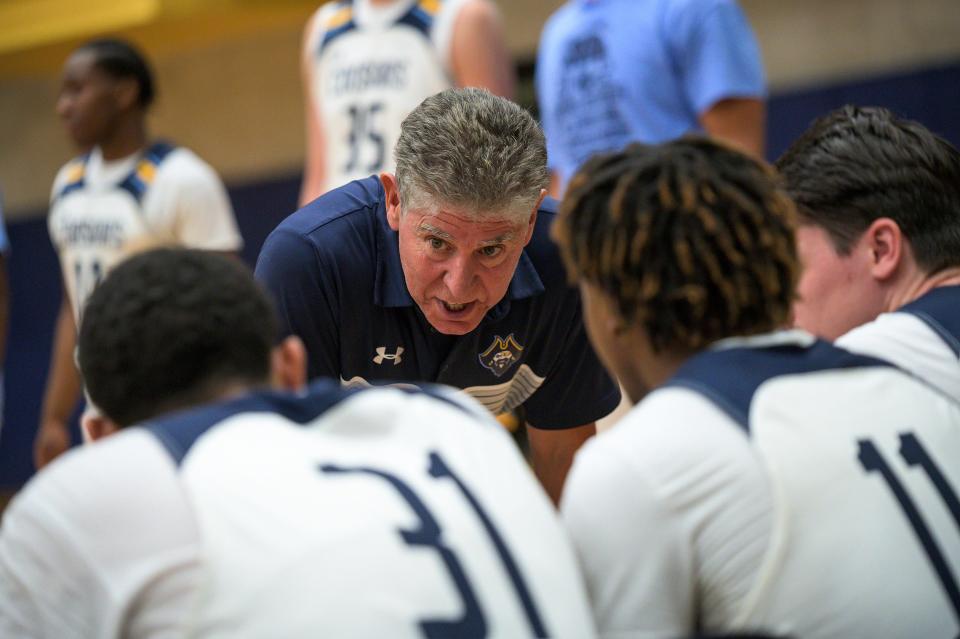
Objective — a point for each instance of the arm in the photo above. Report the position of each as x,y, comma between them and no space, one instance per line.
554,189
740,121
304,292
720,68
478,52
62,392
314,167
552,452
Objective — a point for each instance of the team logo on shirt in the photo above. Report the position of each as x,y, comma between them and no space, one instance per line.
382,355
501,355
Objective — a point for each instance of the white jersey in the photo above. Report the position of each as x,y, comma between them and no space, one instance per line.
775,484
373,513
922,338
368,68
101,212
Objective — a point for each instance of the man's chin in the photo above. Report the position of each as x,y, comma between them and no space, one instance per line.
447,327
453,325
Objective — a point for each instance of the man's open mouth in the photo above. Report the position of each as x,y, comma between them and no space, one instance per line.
455,308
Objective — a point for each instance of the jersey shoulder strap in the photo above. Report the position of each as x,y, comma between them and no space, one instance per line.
336,22
730,377
140,179
76,175
421,16
938,310
178,432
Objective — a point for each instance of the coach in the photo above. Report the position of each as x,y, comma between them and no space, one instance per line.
445,273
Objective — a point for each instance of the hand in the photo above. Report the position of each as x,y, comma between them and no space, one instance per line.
53,439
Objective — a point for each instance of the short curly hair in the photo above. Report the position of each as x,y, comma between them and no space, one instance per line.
121,59
170,328
470,148
693,240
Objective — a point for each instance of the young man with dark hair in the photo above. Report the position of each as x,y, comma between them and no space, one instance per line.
224,508
121,195
757,460
879,239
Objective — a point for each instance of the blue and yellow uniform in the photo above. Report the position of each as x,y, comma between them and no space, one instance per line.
367,68
102,211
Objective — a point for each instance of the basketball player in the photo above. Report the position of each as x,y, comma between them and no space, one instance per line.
879,238
123,194
766,481
325,512
444,272
367,63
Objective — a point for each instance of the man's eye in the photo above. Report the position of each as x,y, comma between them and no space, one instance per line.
436,243
491,251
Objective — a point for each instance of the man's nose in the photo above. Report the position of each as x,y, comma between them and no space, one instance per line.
460,278
64,104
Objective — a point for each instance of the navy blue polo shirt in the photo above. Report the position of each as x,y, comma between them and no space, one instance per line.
333,269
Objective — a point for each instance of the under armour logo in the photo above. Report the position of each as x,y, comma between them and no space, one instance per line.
382,354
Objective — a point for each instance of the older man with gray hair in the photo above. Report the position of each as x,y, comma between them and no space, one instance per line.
445,273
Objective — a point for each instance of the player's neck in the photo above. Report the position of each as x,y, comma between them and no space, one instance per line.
923,284
646,369
206,394
124,140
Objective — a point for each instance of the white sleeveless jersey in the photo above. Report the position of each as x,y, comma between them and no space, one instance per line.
101,212
368,68
374,513
782,486
922,337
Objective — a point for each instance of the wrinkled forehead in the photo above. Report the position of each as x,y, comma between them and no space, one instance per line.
459,223
426,205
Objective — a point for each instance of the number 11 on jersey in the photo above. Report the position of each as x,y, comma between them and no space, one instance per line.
914,454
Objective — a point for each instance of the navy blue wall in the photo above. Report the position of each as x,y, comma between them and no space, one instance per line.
930,96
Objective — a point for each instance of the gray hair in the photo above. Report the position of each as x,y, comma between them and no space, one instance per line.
471,149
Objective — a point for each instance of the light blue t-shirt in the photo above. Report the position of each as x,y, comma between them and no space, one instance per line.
611,72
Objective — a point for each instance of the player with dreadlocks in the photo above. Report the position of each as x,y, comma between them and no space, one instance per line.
699,510
718,261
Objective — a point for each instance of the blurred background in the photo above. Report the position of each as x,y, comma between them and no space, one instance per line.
229,88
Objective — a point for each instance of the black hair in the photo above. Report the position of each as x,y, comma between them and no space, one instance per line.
693,240
856,165
171,328
120,59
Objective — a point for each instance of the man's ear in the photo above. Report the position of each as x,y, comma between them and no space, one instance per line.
391,191
126,91
885,241
288,364
94,426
